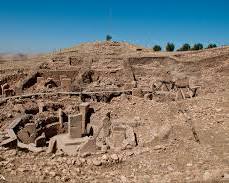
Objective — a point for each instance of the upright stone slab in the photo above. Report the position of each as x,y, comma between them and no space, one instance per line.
75,126
40,141
84,107
66,84
118,136
70,60
27,134
106,126
40,80
41,106
61,118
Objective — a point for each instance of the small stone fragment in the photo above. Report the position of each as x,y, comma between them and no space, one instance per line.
114,157
96,162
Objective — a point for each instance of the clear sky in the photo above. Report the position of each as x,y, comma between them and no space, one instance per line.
45,25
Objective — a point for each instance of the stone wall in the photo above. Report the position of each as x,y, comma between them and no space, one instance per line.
149,60
55,74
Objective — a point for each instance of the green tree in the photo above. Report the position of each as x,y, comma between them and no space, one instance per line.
197,46
185,47
170,47
108,37
157,48
211,46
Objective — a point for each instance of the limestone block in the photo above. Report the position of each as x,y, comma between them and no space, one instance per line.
30,127
66,144
25,137
75,132
84,107
89,146
75,126
61,119
52,129
118,136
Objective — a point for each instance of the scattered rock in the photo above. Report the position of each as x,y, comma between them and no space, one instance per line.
123,179
130,153
114,157
96,162
86,154
105,157
159,147
52,173
148,96
21,169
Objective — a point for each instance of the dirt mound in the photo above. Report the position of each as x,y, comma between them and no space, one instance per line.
128,114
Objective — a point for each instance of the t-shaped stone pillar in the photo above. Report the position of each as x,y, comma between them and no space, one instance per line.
84,107
75,126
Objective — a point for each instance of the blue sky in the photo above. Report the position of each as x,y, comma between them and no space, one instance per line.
46,25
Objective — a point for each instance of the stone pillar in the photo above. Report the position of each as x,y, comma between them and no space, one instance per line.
70,60
41,107
66,84
61,119
84,107
106,126
75,126
2,91
4,87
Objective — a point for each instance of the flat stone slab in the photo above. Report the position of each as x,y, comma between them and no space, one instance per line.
65,143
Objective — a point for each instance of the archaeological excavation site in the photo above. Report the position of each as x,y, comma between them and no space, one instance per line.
115,112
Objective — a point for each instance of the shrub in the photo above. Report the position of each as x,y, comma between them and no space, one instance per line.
170,47
211,46
108,37
185,47
157,48
197,46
